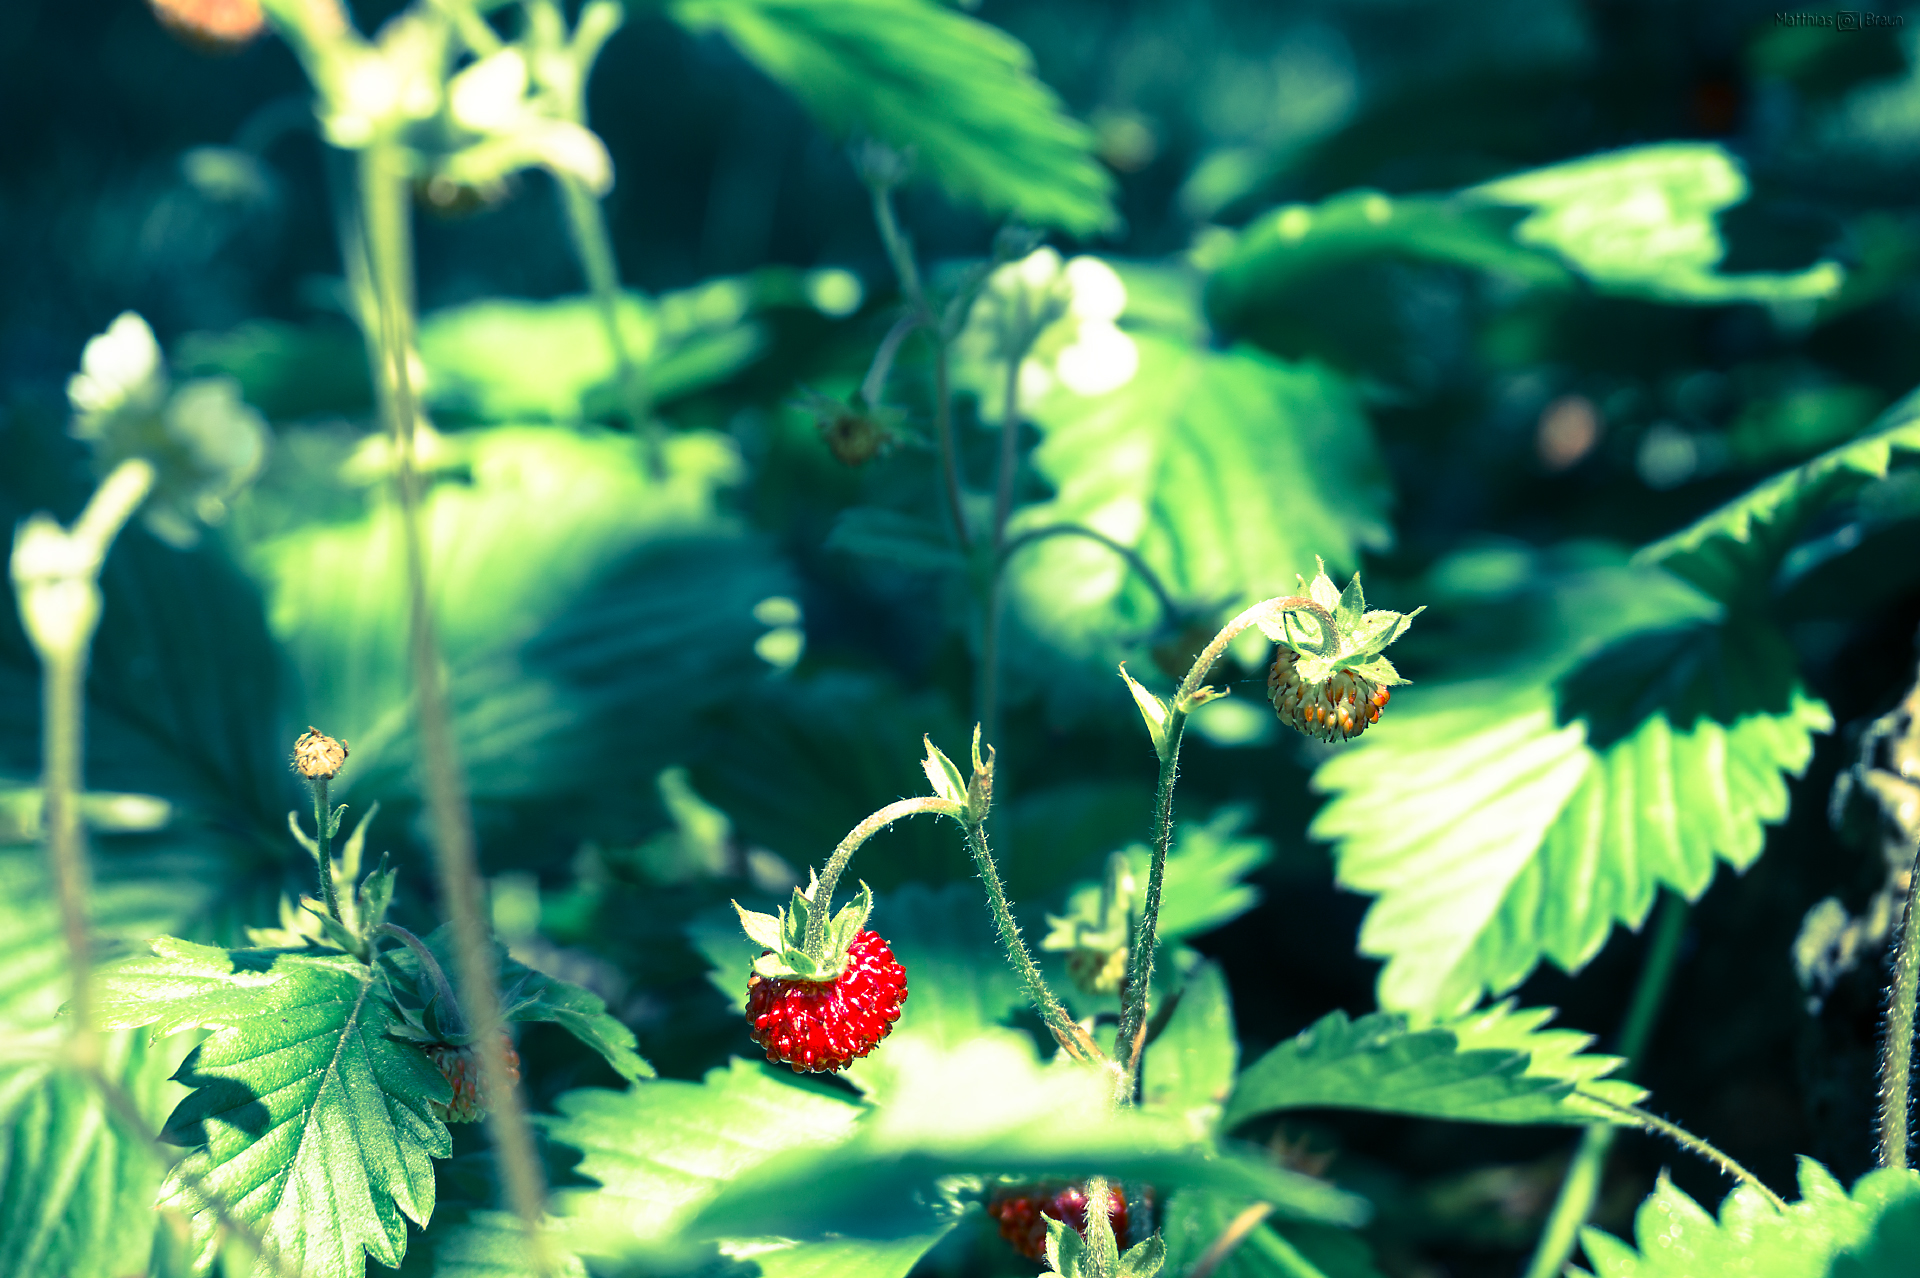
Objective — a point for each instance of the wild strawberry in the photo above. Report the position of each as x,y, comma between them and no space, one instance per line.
822,1026
1328,678
460,1066
212,25
1021,1213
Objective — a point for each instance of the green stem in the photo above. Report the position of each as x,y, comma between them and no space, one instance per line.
323,836
1283,1255
1140,566
1896,1050
1692,1144
587,223
1103,1249
1581,1187
900,253
1066,1031
816,938
388,241
430,966
63,690
1131,1043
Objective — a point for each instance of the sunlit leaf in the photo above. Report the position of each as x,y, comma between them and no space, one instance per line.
1640,221
1732,552
958,94
309,1123
1494,1066
1500,820
662,1150
574,591
1226,471
469,1243
1828,1232
990,1107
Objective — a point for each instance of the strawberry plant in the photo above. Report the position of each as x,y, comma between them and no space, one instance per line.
449,686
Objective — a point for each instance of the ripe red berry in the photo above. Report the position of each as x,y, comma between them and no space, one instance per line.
460,1066
1021,1212
821,1026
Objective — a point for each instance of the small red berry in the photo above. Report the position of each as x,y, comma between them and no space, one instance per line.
460,1066
1021,1212
822,1026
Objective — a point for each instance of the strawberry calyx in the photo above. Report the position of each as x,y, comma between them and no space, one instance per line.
1331,630
784,936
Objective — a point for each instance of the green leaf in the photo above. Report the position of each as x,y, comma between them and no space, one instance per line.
1495,1066
989,1108
1828,1232
1190,1066
836,1257
894,537
1732,553
1187,465
561,621
663,1150
465,1242
510,360
77,1185
958,94
1640,222
1504,819
311,1125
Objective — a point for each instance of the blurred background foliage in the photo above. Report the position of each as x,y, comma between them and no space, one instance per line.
1384,310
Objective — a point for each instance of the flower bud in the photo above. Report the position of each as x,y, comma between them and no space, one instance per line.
317,756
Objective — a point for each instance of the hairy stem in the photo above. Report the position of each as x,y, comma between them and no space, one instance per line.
1075,1041
1896,1050
816,938
1692,1144
1581,1188
1131,1043
384,220
1103,1249
323,836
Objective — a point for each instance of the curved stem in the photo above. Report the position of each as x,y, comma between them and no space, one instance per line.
816,939
1692,1144
587,222
1074,1040
1211,654
873,387
389,262
431,967
1581,1187
1147,575
1896,1049
1009,453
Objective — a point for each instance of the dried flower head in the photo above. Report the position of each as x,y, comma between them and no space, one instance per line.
317,756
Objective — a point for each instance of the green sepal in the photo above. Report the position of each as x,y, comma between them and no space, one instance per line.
343,940
945,779
305,840
849,921
1350,607
333,820
376,890
762,929
1067,1252
1152,709
1144,1259
1353,640
980,783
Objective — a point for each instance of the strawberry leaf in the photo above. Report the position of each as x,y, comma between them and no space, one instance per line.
957,93
1828,1232
466,1242
310,1124
1732,553
1190,1066
1495,1066
1642,735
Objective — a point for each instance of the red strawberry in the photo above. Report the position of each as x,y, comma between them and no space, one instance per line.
821,1026
1022,1211
460,1066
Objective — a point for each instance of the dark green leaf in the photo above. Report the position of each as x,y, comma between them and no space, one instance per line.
1190,1066
958,94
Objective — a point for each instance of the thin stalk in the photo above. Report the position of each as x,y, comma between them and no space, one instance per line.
1009,452
873,387
1581,1187
63,692
587,223
1133,1012
1229,1239
1896,1050
1283,1255
993,609
1140,566
816,938
384,221
323,836
1692,1144
1066,1031
900,253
